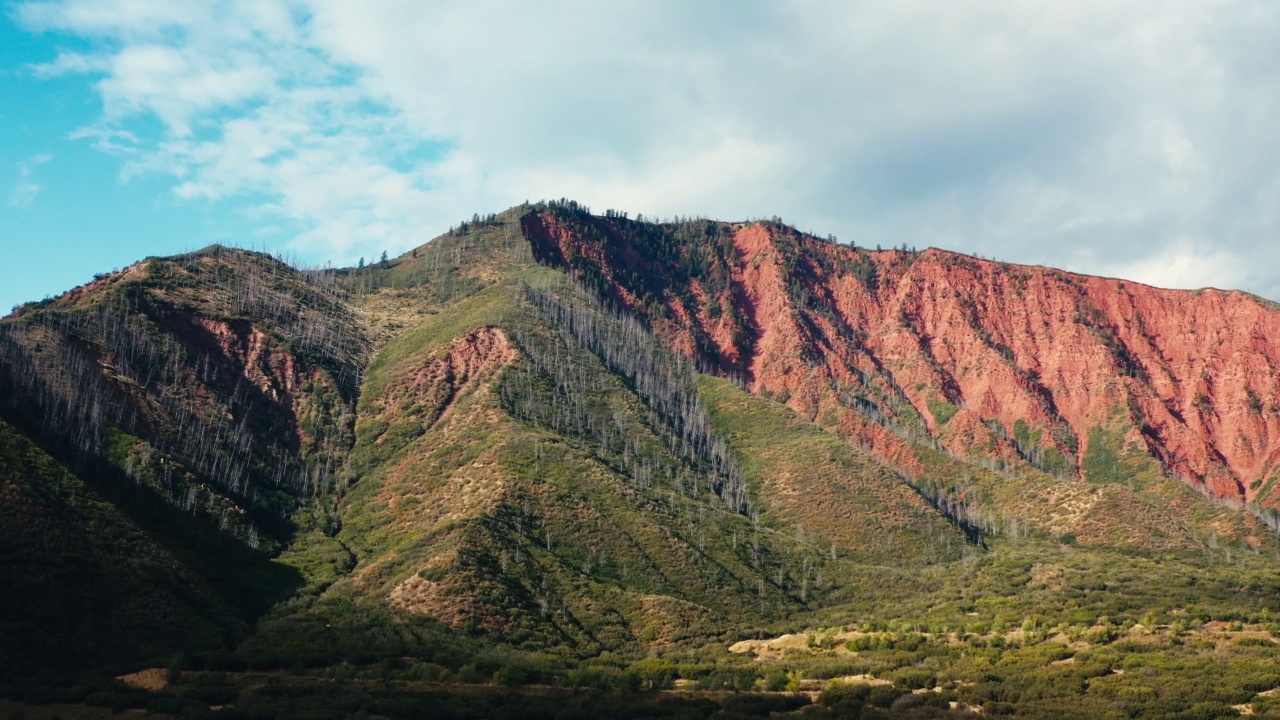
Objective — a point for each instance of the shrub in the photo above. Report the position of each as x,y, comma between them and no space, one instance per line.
510,675
883,696
844,696
764,705
470,674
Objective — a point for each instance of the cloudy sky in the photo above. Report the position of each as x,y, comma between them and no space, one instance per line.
1137,139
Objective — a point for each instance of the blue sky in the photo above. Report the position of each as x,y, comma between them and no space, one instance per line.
1135,139
64,212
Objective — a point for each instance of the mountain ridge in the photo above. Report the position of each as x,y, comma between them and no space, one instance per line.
549,444
839,311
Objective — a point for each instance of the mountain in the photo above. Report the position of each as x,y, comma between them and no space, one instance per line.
1059,361
191,403
1078,376
551,444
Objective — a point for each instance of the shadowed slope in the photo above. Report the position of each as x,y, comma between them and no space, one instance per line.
221,380
75,569
196,403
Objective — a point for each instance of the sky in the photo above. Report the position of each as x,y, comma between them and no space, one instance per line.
1132,139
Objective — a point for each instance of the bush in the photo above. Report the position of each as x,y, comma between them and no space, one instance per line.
914,678
1209,711
774,681
883,696
764,705
118,700
587,677
844,696
510,675
657,674
630,682
214,688
728,680
470,674
426,672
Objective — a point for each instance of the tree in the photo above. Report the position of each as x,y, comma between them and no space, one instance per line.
383,260
361,265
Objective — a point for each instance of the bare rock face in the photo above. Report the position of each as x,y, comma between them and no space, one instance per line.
1029,361
246,347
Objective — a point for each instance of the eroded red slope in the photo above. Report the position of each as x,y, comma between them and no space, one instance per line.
1190,376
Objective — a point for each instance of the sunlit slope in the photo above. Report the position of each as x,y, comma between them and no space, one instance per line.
515,472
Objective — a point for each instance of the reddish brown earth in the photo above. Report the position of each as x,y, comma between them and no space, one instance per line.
429,391
1192,377
247,348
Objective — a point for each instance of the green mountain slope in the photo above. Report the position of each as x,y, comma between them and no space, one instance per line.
511,480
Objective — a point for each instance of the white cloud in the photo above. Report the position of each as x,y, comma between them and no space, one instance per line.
26,189
1186,264
176,87
1100,136
69,63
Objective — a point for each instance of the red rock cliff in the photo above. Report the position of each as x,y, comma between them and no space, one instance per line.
1192,377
